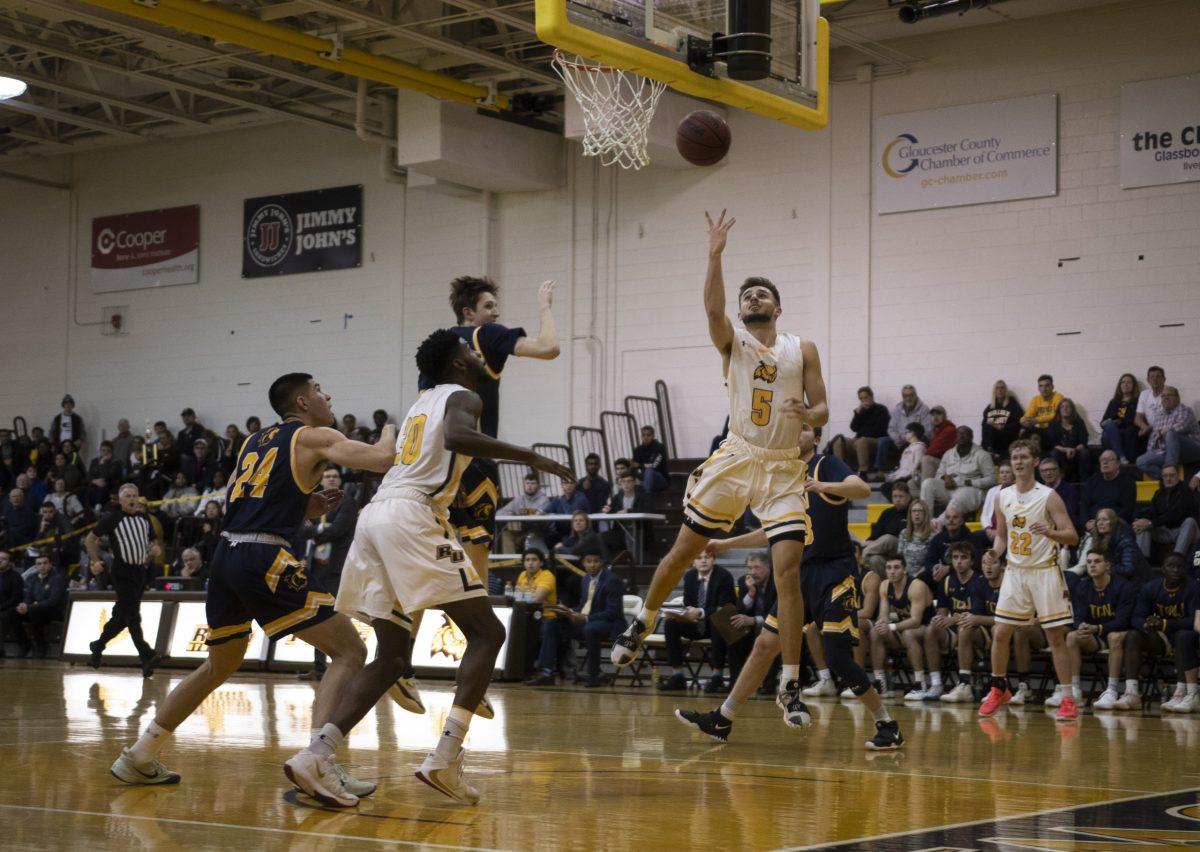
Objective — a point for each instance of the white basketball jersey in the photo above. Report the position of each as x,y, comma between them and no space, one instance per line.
759,379
422,461
1028,549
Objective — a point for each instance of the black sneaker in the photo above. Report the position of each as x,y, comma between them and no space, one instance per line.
97,650
675,683
150,664
887,736
541,679
711,724
795,711
628,645
716,684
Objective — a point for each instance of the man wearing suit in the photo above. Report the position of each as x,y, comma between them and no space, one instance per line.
330,536
600,613
629,498
706,588
754,596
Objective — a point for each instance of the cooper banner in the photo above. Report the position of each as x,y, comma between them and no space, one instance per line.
152,248
971,154
1160,131
302,232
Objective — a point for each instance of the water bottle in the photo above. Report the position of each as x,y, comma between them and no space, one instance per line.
508,590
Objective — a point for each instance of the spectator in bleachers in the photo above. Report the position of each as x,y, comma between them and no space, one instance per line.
910,460
1051,475
885,532
954,531
201,465
8,465
349,424
45,601
1041,411
539,583
104,474
380,418
12,594
170,460
1174,435
706,588
1150,403
231,448
754,597
531,501
582,536
869,425
1170,518
905,608
68,448
67,425
38,487
253,424
600,614
192,431
210,529
915,538
135,464
964,473
1108,488
68,472
594,486
954,596
650,461
1067,438
629,498
20,520
66,502
910,409
1163,626
987,514
192,565
941,440
571,500
122,444
1103,607
1119,428
1117,539
179,504
54,526
1001,421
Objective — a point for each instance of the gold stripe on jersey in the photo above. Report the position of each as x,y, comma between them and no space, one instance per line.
307,489
475,345
312,603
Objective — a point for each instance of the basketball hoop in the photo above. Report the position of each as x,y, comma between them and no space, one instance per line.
617,109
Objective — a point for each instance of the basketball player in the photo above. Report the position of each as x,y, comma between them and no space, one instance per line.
1031,523
775,388
905,610
831,600
405,558
476,306
254,574
975,630
954,600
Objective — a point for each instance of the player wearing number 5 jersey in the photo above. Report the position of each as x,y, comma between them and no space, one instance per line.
1032,522
256,577
775,387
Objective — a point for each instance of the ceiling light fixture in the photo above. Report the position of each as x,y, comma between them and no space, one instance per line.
10,87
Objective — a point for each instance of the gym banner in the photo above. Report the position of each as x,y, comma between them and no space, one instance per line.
1160,131
972,154
152,248
302,232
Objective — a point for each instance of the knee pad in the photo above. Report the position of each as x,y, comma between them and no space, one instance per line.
840,659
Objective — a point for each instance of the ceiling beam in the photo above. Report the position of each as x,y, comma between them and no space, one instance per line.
67,118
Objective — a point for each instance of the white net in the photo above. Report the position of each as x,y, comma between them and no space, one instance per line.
617,107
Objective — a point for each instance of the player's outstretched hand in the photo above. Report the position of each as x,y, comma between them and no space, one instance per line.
546,295
718,232
323,502
548,465
715,547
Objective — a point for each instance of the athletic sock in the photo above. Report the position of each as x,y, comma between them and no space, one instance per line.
823,674
327,741
647,616
882,714
147,747
1076,682
1193,689
1131,686
964,675
920,678
730,707
937,678
1114,683
453,733
790,673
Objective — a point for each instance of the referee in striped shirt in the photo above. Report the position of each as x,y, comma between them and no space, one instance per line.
132,542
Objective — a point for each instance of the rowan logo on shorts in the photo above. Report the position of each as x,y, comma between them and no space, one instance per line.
446,551
448,641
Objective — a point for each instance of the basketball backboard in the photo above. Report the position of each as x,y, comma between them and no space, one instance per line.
673,41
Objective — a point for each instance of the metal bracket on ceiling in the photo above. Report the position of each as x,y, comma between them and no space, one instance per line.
488,100
335,54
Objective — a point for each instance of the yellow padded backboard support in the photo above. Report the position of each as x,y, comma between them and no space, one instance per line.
554,27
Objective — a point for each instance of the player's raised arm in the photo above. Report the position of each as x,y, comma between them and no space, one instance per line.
545,345
720,329
463,436
332,445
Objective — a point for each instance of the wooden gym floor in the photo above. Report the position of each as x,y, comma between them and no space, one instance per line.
581,769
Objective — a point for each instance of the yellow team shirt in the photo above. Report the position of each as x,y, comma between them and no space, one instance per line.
1042,410
544,579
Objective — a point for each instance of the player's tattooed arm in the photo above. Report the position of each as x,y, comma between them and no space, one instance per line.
720,329
463,436
545,345
327,444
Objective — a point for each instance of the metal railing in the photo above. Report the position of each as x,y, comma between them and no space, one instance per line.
620,433
584,440
667,433
561,453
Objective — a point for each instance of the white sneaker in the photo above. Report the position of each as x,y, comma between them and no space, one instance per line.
353,785
124,769
1024,695
317,776
917,693
1107,699
485,710
1187,704
1055,699
934,692
447,777
961,694
822,688
847,693
405,693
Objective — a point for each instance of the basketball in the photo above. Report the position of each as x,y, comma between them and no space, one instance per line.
702,138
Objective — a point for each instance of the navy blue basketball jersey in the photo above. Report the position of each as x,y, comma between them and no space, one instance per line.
1110,608
901,605
986,598
828,515
264,495
955,595
1176,607
494,343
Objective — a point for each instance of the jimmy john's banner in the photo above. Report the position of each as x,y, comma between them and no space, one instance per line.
302,232
973,154
1160,131
151,248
